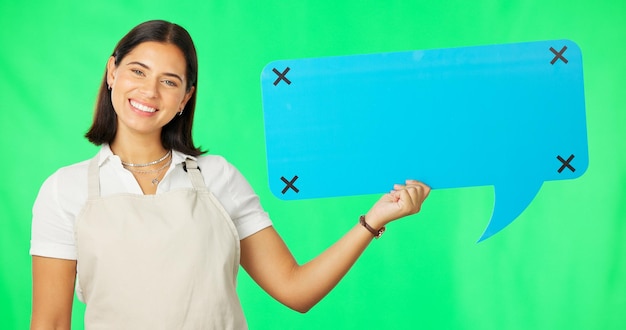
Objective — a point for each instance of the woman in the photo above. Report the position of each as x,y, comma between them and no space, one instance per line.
151,233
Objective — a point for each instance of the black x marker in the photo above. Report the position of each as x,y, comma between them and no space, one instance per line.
289,184
281,76
566,163
558,55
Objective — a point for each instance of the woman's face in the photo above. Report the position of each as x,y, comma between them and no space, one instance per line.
148,87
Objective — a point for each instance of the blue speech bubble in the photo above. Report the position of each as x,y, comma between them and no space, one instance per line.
511,116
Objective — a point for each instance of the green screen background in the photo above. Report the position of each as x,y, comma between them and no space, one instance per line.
560,265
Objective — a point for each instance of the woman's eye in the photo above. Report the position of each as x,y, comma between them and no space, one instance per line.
170,83
137,72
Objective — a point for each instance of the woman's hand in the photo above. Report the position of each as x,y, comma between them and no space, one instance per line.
403,200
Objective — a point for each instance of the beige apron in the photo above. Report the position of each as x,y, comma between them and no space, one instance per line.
165,261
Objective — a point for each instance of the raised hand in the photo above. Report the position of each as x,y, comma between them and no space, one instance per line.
403,200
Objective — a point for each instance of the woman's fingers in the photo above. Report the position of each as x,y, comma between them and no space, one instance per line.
414,194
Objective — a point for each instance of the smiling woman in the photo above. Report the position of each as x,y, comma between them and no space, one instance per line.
150,232
177,133
147,90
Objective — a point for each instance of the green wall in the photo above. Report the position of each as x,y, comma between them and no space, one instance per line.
560,265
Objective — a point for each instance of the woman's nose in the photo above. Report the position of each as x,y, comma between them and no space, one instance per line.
149,87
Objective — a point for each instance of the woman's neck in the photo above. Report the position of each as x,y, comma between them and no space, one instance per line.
138,150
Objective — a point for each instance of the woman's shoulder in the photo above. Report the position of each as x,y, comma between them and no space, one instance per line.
220,172
212,159
78,171
73,170
213,163
66,183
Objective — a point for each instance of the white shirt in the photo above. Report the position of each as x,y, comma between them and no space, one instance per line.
64,193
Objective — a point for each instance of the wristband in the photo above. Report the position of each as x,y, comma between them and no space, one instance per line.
376,233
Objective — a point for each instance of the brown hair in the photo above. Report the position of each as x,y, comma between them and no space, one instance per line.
177,133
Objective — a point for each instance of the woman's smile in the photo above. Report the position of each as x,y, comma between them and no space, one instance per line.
142,107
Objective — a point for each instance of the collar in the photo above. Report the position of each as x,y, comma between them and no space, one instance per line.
179,157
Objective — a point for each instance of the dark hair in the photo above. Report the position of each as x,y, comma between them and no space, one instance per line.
177,133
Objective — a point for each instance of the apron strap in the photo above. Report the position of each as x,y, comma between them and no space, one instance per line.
93,179
191,167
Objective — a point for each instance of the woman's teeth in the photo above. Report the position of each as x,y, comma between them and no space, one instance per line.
142,107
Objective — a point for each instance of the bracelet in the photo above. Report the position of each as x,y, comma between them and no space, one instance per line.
376,233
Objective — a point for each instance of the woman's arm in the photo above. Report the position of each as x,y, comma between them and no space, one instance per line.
269,262
53,293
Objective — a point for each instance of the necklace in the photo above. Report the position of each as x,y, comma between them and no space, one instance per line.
169,152
155,181
149,171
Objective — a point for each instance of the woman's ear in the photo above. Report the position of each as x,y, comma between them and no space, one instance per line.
111,71
188,96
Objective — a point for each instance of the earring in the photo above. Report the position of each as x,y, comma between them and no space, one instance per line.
109,87
181,112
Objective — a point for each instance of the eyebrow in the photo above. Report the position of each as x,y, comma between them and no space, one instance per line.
166,73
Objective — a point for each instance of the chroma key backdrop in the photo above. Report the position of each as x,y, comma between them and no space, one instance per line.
536,141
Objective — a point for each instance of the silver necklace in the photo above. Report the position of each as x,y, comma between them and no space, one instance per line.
169,152
150,171
155,181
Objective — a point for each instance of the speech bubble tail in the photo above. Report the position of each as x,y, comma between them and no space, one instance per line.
510,202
